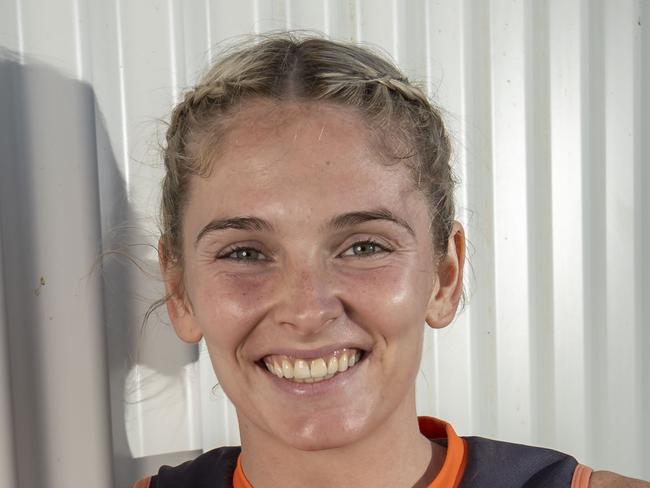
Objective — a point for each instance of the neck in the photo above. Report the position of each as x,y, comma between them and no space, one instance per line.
395,454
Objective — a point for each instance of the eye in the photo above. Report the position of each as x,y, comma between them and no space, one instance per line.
243,254
364,248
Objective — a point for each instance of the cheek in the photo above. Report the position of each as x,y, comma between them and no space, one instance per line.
390,300
227,308
390,304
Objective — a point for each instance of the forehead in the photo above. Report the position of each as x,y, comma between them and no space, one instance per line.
300,158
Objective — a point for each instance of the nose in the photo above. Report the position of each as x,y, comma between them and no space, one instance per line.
307,299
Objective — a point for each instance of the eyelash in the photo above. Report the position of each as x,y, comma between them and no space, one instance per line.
228,253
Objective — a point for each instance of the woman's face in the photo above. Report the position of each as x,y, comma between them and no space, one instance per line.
302,247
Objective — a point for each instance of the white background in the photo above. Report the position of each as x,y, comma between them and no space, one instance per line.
549,104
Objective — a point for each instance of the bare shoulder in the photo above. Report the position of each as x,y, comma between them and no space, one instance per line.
607,479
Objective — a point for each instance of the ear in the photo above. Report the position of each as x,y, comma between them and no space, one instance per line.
178,305
448,287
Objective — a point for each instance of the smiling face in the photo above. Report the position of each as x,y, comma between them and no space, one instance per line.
301,247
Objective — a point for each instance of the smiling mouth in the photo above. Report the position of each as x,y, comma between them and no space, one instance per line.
313,370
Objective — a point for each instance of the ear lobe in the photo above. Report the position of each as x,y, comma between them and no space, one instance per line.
448,288
179,308
183,319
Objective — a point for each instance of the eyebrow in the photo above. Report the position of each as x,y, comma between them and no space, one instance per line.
354,218
238,223
338,222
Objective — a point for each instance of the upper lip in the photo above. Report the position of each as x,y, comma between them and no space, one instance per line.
310,353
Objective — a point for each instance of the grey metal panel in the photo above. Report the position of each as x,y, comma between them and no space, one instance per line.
49,214
7,446
568,71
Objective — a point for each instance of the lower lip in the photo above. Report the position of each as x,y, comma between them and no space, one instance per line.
340,380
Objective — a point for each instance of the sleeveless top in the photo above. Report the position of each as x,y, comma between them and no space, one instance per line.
470,462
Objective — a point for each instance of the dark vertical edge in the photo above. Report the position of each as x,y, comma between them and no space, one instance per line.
7,442
9,124
594,227
540,226
89,118
480,213
92,116
25,353
114,220
642,194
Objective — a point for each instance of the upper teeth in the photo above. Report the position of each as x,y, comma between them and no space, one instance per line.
312,370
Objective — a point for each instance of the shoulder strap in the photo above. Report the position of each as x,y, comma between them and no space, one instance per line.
581,476
507,465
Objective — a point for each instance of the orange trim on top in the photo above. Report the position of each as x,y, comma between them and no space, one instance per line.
143,483
452,469
581,476
238,478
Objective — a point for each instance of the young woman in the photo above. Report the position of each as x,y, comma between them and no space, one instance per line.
308,234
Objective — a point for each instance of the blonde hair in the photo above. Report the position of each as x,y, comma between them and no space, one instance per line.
292,67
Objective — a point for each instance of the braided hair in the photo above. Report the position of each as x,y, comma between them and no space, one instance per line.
283,67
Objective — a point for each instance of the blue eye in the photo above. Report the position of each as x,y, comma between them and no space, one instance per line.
364,248
360,249
243,254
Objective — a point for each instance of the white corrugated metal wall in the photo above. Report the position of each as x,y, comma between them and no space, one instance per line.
549,102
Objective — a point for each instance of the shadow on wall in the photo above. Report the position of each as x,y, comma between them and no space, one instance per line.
73,334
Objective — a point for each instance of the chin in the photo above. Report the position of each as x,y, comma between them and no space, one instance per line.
316,434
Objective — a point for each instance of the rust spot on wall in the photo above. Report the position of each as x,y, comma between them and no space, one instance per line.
41,284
